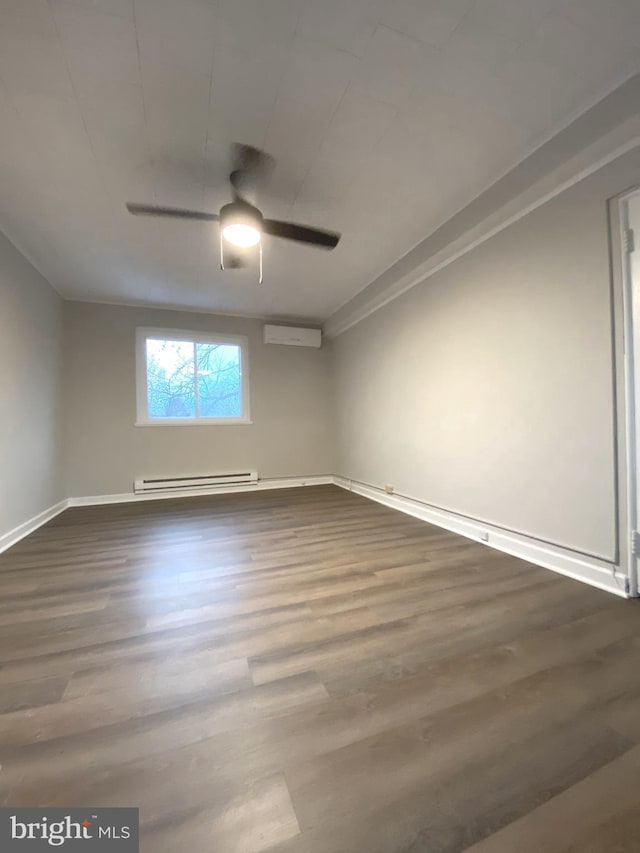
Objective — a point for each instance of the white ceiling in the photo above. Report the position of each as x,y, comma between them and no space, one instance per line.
385,116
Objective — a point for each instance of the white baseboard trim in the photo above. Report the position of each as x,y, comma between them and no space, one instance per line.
595,572
7,540
260,485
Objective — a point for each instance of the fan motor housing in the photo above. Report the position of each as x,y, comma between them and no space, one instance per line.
240,213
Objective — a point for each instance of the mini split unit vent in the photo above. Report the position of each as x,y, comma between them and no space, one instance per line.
201,481
292,336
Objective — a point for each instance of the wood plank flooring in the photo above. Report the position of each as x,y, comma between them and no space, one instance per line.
304,671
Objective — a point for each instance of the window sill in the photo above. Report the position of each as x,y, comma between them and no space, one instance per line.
201,422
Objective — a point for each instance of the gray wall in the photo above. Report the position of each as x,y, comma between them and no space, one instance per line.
291,433
30,336
488,389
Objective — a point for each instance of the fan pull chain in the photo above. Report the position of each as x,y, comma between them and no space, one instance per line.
222,267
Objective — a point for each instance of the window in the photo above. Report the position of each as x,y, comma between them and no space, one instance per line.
191,378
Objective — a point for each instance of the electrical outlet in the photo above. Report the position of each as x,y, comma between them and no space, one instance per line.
389,489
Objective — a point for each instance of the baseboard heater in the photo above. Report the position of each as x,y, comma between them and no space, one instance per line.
201,481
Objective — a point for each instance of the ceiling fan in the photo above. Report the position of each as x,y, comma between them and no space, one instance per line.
241,222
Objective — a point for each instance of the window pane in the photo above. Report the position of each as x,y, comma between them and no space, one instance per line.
170,379
219,380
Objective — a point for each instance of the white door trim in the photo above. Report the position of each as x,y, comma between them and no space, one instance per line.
621,261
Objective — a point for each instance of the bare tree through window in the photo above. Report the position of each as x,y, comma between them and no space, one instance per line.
187,379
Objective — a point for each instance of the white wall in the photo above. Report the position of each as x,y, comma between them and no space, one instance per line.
488,389
291,433
30,389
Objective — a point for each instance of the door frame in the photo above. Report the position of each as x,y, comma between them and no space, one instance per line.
628,403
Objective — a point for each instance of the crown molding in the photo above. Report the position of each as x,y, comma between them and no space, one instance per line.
598,137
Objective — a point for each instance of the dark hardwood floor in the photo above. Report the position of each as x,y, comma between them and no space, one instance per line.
304,671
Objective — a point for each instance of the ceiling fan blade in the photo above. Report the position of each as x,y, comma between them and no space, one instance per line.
252,161
250,172
172,212
301,233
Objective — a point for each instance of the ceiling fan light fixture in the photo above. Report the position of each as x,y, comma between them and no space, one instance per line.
241,235
241,224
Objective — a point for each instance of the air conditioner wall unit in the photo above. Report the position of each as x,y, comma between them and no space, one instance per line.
292,336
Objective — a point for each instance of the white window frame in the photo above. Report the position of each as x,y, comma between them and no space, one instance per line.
143,333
